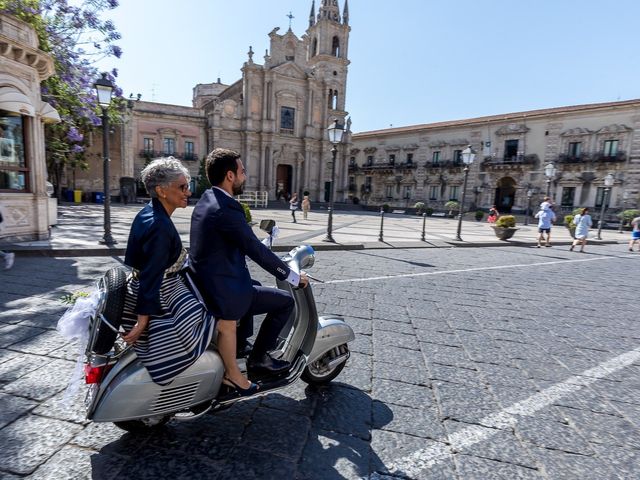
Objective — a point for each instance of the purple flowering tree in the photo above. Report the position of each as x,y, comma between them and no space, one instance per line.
76,36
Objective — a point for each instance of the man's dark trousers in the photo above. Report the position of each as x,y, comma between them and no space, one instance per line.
278,305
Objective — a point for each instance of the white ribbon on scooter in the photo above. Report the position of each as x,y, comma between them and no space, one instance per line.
274,234
74,325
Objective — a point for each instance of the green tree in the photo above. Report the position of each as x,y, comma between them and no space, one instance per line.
76,37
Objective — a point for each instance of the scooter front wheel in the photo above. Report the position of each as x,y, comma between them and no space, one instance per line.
143,425
327,367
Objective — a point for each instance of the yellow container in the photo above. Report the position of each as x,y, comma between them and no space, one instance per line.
77,196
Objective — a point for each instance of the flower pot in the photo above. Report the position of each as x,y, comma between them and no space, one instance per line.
504,233
572,231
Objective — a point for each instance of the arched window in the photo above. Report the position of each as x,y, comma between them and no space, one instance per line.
314,47
332,99
335,47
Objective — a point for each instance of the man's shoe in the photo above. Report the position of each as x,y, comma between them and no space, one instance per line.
244,351
266,364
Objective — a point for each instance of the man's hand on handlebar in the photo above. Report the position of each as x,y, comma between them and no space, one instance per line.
304,281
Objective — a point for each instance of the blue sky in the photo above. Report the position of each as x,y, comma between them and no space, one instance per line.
412,61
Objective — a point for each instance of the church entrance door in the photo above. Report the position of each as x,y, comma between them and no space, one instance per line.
284,178
505,193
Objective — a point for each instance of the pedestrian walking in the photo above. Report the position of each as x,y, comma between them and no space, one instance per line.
293,206
545,218
6,256
583,223
493,215
306,206
635,233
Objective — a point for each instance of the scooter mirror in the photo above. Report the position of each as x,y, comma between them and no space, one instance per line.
267,225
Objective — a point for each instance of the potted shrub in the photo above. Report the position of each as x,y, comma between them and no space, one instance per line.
479,215
505,227
386,208
419,206
627,216
247,212
568,222
452,206
428,211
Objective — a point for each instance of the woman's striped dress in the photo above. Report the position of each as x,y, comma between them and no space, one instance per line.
175,339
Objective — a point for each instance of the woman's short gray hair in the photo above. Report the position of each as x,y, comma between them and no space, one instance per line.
161,172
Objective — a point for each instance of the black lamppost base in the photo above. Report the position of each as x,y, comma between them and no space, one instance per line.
108,240
328,238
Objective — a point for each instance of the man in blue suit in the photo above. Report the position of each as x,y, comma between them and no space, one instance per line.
220,240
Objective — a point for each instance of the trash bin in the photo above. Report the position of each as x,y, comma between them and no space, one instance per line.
77,196
68,195
98,197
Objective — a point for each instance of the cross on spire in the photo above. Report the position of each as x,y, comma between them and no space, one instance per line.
291,17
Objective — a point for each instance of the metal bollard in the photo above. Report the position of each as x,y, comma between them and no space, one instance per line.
381,238
424,221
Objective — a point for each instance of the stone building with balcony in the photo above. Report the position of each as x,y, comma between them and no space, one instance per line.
148,130
401,166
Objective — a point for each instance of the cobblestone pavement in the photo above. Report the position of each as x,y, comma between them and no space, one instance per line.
468,364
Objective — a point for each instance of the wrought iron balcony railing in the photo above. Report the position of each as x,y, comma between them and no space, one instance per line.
567,158
187,156
510,160
405,166
619,156
445,164
377,166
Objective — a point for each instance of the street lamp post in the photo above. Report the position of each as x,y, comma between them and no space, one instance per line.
550,173
104,89
608,183
625,198
527,213
335,137
468,155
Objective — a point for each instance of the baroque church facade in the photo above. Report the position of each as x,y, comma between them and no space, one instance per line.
277,114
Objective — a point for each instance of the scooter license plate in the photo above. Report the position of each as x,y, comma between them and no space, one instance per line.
92,390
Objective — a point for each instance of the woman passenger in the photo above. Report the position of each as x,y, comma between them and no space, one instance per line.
167,326
583,223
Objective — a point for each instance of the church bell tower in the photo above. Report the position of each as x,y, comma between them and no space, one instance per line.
328,44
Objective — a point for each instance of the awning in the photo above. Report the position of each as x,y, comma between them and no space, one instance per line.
48,113
13,100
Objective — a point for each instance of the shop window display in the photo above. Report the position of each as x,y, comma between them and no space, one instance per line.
13,167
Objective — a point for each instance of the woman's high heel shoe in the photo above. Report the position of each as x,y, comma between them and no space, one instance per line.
244,392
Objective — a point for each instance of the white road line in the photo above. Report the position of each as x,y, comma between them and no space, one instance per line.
415,464
475,269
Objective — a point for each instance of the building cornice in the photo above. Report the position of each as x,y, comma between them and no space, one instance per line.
507,117
15,37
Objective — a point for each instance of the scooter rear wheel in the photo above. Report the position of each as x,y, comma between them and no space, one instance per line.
317,373
144,425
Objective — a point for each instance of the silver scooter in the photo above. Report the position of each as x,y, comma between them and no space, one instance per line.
121,391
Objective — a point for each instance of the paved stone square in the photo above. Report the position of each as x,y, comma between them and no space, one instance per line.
468,363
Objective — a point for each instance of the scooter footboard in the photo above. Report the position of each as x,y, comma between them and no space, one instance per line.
332,332
131,394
